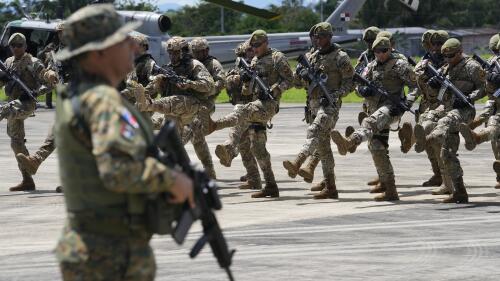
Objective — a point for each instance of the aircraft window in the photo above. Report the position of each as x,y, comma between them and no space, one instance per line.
36,39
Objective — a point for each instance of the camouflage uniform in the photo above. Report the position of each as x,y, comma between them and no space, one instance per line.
391,75
19,107
468,76
103,144
181,105
273,68
337,65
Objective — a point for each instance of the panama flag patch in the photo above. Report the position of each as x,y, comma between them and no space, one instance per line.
345,17
129,118
129,125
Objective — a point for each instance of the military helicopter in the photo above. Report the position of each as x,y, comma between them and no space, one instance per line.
39,32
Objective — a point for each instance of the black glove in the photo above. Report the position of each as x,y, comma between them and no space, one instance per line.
245,76
459,103
304,74
434,83
494,78
365,91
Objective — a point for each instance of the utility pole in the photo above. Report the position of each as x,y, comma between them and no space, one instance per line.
321,9
222,20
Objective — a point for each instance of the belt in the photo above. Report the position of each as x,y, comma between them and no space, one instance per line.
257,127
111,226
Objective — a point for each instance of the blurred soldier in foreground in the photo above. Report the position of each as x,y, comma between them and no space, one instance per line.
331,62
388,75
20,104
269,67
103,145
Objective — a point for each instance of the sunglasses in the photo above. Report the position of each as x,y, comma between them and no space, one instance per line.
378,51
256,45
16,45
449,56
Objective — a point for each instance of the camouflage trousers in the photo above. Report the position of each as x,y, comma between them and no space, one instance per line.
16,112
492,133
445,136
48,146
375,129
318,140
487,111
248,158
91,257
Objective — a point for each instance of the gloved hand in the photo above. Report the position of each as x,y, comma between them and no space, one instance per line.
365,91
304,74
245,76
494,78
434,83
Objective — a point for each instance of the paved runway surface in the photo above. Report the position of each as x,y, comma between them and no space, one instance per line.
353,238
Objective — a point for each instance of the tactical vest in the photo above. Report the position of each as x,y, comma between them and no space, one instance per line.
266,68
327,64
92,207
25,69
185,69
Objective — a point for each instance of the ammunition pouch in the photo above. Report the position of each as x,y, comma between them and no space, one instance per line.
160,215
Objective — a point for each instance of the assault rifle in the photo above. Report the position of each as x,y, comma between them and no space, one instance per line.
57,67
494,66
265,92
169,72
171,152
11,75
318,79
397,101
364,62
447,85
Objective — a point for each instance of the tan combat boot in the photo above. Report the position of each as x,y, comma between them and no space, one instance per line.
361,116
26,185
319,186
379,188
307,173
405,135
390,193
419,133
436,179
244,178
343,144
471,138
293,166
349,130
329,192
30,163
475,123
270,190
374,181
256,185
443,190
225,154
459,195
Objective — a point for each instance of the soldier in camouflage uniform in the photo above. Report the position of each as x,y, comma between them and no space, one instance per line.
329,59
392,74
182,100
468,76
103,144
20,106
272,66
492,111
431,109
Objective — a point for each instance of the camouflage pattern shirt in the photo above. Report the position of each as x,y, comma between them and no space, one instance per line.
215,69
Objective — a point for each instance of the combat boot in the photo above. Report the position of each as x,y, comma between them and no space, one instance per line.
30,163
270,190
475,123
390,193
26,185
379,188
349,130
256,185
244,178
329,192
307,173
293,166
361,116
405,135
443,190
459,195
319,186
225,154
343,144
496,167
419,133
374,181
59,189
436,179
471,138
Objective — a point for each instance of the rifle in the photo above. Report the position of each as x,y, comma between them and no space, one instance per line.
265,92
382,92
318,79
171,152
446,84
169,72
56,66
11,75
490,67
364,62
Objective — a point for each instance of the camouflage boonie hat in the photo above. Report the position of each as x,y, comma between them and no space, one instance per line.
198,44
370,33
258,36
311,31
439,37
60,26
323,28
139,38
92,28
451,46
426,38
381,43
385,34
17,38
493,45
176,43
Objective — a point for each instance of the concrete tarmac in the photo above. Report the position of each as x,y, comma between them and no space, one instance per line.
294,236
